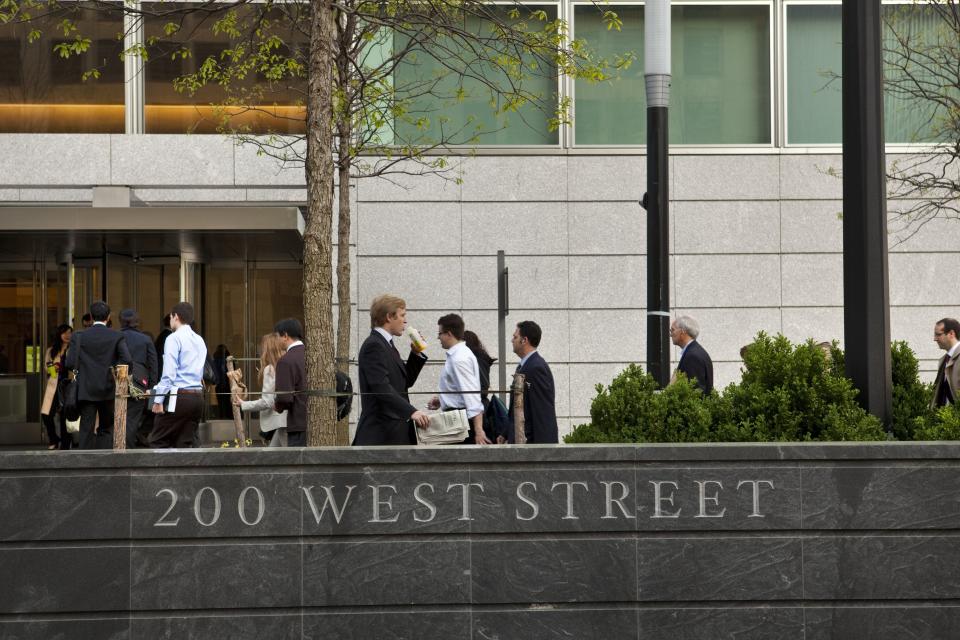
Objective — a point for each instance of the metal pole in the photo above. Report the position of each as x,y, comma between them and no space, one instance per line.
503,309
866,298
657,198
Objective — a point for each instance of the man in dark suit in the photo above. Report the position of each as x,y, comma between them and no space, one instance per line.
92,352
694,362
386,416
145,373
947,385
539,395
291,377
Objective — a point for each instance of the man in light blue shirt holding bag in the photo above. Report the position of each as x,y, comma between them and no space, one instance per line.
178,397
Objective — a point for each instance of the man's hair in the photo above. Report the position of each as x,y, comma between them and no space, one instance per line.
184,311
289,327
382,307
531,331
452,323
99,311
950,324
86,318
688,325
129,318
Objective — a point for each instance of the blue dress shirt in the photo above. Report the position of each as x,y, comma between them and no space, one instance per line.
184,354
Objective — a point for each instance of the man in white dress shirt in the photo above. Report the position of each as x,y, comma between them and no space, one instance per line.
460,374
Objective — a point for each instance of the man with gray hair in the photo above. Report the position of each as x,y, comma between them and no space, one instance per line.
694,361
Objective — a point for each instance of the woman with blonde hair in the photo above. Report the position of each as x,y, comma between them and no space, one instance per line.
271,350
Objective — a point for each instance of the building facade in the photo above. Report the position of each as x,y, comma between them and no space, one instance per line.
104,194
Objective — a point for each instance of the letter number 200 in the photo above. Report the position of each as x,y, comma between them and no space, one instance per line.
166,521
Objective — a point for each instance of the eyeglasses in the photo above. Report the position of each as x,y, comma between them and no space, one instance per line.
937,335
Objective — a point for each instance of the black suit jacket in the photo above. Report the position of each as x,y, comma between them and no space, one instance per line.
292,376
143,354
698,366
385,416
92,352
539,402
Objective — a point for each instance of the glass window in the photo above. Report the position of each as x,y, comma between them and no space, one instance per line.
42,92
720,90
814,61
455,107
253,104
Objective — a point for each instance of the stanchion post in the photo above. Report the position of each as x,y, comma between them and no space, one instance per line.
234,376
519,423
122,383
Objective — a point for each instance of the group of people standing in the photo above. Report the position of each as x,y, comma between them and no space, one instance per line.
387,416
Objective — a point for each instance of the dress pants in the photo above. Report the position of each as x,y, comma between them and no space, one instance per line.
297,439
177,429
90,410
135,420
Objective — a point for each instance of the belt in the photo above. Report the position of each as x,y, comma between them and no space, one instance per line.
190,391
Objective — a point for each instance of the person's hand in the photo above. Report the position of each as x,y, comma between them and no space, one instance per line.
420,419
434,403
501,440
481,438
236,400
157,408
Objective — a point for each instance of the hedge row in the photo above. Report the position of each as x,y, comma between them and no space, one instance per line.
787,393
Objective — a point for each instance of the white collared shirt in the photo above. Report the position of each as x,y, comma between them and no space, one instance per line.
386,335
524,359
100,322
461,373
293,344
953,350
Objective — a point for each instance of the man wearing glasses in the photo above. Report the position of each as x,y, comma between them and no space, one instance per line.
948,373
694,361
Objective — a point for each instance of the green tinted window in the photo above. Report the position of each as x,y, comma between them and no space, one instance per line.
721,77
814,60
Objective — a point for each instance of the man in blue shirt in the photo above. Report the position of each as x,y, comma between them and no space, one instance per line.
178,397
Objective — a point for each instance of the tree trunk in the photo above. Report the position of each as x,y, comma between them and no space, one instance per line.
318,229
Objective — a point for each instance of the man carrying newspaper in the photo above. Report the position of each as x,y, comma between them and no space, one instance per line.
460,379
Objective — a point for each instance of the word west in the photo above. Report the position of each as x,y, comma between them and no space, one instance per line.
529,501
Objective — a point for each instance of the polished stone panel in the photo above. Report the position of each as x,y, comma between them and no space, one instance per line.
362,625
554,570
64,579
719,568
215,506
856,567
385,502
874,497
555,500
377,572
718,499
177,576
922,621
582,624
237,625
703,623
66,629
51,507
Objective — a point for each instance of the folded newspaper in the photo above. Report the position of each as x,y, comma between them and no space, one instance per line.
446,427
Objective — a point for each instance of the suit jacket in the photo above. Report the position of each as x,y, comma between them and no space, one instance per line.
539,402
142,353
947,385
698,366
292,376
385,416
92,352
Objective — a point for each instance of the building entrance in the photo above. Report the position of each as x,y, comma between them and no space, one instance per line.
240,280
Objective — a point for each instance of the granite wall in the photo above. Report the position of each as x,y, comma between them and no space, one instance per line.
842,541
